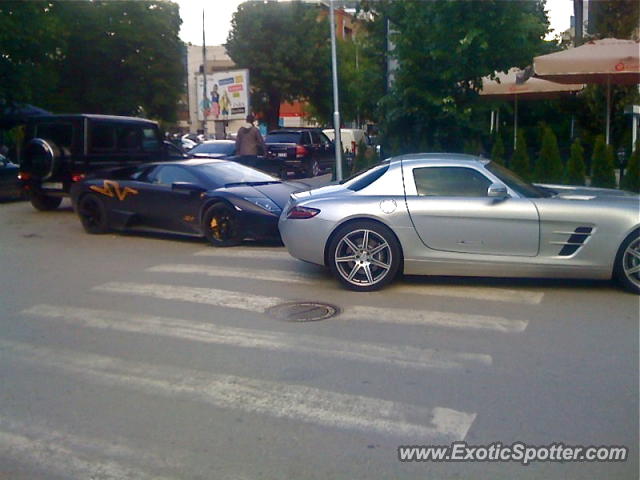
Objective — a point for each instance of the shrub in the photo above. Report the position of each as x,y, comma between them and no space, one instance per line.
575,172
549,165
520,160
631,178
602,172
497,151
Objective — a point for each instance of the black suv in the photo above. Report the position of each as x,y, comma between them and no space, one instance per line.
305,150
59,150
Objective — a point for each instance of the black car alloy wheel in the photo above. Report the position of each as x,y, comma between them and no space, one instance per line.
93,214
364,255
220,225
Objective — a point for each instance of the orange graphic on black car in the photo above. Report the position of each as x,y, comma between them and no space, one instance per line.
113,189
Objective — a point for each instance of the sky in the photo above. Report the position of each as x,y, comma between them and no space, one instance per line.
218,15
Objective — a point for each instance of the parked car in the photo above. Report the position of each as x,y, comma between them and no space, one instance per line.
220,200
214,149
306,151
450,214
9,183
60,150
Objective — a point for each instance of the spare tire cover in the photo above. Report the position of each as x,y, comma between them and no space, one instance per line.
40,158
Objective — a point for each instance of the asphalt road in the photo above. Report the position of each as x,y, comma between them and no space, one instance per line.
140,356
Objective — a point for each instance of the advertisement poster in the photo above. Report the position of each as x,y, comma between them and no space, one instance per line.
227,96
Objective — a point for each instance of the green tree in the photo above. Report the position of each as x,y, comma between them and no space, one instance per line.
613,18
285,46
520,160
575,171
631,179
443,49
30,43
602,170
548,168
121,58
497,151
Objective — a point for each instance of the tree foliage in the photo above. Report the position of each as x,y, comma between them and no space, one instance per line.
602,170
443,49
613,18
575,171
121,57
286,47
520,160
497,151
548,168
631,179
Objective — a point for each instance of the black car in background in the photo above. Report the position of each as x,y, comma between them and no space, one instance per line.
59,150
9,184
306,151
220,200
214,149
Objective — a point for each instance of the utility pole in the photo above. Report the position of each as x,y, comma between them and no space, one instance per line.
336,107
204,83
578,21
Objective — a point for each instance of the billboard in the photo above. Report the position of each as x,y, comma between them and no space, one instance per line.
227,96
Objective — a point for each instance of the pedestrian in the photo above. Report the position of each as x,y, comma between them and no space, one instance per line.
249,143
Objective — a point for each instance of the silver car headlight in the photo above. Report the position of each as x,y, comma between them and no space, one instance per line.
265,204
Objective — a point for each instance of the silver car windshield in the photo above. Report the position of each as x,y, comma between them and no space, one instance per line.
514,182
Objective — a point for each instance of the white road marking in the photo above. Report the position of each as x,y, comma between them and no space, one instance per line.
63,454
246,273
258,303
401,356
266,253
429,317
280,400
296,277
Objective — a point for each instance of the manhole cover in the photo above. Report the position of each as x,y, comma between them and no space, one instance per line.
303,311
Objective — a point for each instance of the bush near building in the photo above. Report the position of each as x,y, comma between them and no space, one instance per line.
520,160
548,168
602,170
575,171
631,179
497,151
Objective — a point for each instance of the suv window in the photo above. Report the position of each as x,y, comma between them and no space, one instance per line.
450,182
102,137
129,138
166,175
315,137
282,137
305,138
150,142
59,133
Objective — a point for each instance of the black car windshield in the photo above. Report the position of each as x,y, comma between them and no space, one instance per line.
515,183
224,148
282,137
220,174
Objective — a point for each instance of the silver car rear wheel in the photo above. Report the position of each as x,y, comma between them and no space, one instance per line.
627,269
365,256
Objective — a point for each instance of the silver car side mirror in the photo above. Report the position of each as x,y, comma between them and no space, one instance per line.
497,191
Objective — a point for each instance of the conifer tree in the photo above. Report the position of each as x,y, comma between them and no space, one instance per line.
575,172
520,160
602,173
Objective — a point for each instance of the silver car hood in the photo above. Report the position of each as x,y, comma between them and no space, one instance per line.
586,193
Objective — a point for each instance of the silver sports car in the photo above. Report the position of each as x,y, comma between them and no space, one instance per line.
450,214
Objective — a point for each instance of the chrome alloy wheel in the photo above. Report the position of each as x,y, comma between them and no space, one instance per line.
631,262
363,257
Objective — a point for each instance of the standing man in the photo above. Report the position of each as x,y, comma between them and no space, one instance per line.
249,143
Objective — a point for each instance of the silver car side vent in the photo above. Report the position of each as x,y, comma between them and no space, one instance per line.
576,239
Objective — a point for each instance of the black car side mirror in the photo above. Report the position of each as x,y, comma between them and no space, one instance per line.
187,187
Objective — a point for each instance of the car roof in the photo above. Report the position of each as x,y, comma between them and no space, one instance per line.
92,116
209,142
458,158
294,130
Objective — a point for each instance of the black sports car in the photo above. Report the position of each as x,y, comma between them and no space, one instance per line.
218,199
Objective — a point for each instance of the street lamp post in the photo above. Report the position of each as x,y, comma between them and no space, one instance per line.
336,108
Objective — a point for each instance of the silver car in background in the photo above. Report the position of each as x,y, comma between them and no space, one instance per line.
451,214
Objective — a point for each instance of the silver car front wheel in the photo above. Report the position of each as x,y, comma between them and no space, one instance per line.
364,256
627,268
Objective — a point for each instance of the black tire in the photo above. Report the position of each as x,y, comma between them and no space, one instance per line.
626,270
41,158
382,247
93,214
220,225
313,168
44,203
